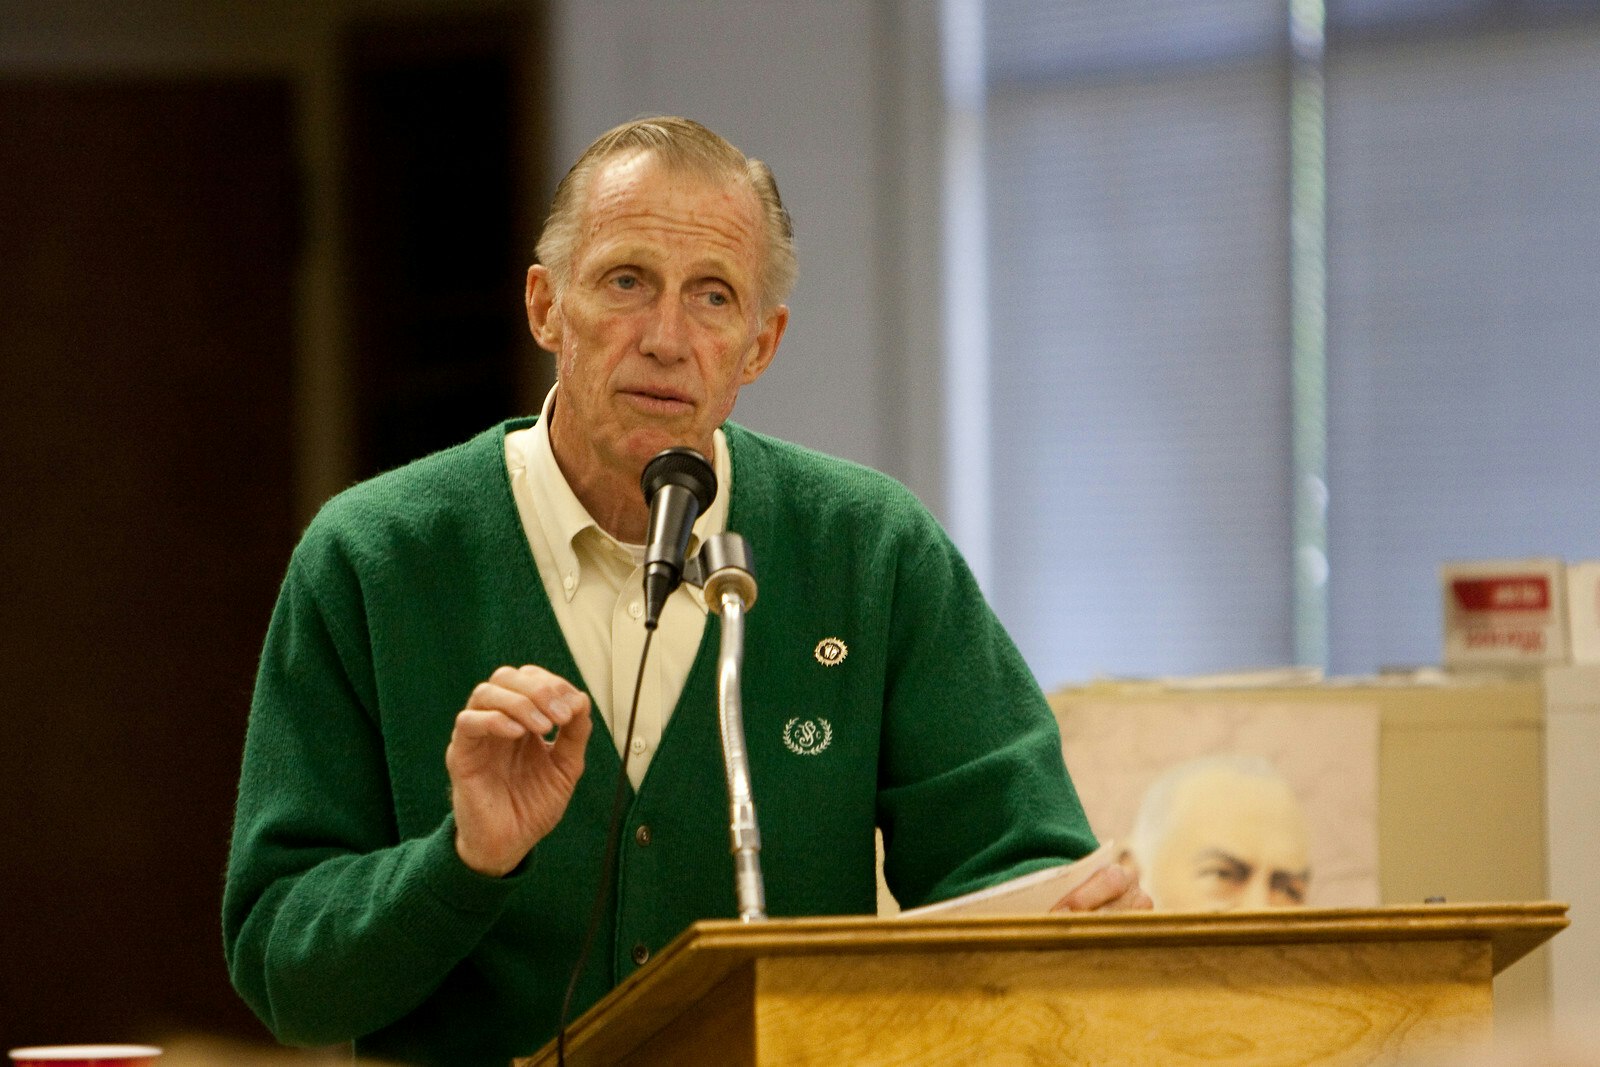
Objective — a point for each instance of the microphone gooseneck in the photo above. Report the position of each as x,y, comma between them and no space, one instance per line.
730,584
680,485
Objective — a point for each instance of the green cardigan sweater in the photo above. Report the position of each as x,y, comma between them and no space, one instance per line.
347,913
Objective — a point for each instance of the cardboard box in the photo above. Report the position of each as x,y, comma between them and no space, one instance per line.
1501,613
1583,611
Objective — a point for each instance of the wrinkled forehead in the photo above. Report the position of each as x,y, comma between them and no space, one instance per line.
637,190
646,168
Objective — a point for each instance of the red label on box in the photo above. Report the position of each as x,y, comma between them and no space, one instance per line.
1522,592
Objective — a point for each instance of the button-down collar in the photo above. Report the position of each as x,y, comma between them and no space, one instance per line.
564,519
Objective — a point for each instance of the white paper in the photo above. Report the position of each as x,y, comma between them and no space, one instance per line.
1030,894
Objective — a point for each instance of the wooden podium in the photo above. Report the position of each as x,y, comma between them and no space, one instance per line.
1354,986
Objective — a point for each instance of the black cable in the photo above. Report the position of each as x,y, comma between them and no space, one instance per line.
613,833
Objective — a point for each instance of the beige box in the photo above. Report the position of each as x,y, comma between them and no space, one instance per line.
1500,613
1583,611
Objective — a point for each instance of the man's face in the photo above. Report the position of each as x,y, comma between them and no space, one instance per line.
1235,841
660,322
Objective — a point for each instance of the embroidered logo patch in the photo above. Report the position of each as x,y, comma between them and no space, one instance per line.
831,651
807,737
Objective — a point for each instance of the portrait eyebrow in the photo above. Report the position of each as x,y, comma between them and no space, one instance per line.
1287,880
1234,864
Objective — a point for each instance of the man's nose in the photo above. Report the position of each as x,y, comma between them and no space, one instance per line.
666,332
1257,894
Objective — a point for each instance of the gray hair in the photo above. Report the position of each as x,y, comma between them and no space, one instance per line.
680,144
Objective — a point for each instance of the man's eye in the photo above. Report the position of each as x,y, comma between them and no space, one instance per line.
717,299
625,281
1291,886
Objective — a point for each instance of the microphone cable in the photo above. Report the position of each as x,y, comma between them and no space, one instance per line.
619,801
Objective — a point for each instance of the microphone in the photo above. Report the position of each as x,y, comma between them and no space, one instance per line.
680,485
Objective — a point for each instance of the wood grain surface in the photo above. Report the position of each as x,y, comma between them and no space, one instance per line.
1348,985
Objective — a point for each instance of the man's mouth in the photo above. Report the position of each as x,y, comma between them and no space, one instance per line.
660,401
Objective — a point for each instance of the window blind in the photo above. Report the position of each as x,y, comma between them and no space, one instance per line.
1464,321
1138,253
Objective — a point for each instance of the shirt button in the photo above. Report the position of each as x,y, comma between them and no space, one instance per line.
642,834
636,609
641,953
568,582
638,745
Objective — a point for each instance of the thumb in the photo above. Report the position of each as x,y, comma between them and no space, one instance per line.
572,741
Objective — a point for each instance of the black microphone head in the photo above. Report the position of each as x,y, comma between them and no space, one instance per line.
679,485
684,467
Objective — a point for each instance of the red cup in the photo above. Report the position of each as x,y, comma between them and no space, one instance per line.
85,1056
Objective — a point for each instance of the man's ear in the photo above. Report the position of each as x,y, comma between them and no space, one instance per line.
775,322
544,316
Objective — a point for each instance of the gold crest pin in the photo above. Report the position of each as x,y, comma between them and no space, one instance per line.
831,651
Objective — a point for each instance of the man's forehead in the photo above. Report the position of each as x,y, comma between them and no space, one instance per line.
624,167
636,200
1227,785
641,171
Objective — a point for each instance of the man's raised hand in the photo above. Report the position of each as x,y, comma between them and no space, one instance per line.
509,786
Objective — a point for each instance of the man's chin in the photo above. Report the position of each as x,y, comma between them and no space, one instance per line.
647,447
647,444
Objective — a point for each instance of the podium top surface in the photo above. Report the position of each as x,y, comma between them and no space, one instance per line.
1513,930
709,950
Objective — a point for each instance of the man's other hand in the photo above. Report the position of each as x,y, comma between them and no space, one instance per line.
1113,888
509,786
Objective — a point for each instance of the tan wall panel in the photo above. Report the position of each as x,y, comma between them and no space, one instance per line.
1461,789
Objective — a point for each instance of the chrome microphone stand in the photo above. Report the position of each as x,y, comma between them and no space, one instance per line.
730,591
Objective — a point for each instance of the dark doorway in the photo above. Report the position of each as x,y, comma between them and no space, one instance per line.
434,131
147,247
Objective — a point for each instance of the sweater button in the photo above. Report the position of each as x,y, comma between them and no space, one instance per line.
642,834
641,953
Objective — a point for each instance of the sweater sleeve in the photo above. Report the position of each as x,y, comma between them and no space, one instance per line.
333,927
973,787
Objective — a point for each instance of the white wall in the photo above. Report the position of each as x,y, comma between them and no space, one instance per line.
1572,737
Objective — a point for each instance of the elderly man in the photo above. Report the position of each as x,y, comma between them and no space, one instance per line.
414,874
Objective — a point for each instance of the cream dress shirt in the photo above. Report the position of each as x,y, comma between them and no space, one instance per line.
596,588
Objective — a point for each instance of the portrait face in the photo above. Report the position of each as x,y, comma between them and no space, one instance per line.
660,321
1234,840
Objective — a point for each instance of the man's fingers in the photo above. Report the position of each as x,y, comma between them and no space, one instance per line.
496,712
531,695
474,725
1112,888
487,696
573,739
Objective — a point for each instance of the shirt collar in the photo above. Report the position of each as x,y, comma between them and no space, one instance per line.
564,518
